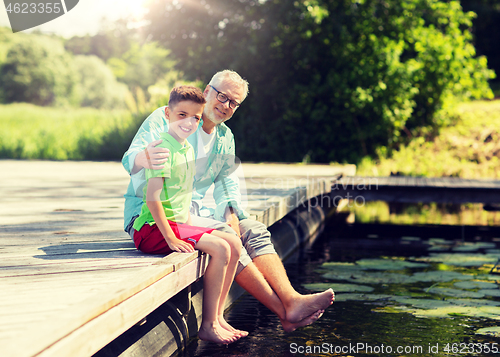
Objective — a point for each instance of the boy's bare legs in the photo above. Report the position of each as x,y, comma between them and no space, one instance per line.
215,274
297,306
235,244
252,280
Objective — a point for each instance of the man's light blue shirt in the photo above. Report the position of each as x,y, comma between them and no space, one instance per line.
220,170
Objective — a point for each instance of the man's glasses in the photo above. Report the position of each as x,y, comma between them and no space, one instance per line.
221,97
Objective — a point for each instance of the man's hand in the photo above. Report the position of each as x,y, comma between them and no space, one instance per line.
233,222
151,157
180,246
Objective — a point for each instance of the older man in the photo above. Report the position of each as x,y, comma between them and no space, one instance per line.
260,271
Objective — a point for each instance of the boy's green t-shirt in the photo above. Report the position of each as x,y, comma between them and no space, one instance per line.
178,175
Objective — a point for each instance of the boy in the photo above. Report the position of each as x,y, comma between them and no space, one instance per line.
164,223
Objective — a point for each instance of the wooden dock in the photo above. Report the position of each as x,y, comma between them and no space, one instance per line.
417,189
71,281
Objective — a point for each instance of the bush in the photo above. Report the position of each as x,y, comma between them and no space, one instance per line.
38,70
468,149
98,87
329,80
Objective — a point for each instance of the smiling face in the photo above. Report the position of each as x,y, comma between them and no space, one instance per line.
217,112
184,118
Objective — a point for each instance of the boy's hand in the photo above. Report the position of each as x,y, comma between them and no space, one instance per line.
233,222
152,157
180,246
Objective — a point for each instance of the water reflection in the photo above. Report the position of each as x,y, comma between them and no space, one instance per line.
365,324
426,213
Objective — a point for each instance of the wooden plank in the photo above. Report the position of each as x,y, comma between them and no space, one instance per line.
412,181
63,269
400,180
439,182
59,263
39,263
482,183
84,329
429,182
421,181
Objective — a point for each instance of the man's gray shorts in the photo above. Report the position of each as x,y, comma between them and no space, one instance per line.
255,237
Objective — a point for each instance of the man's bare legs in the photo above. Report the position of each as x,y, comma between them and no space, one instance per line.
219,271
297,306
252,280
255,283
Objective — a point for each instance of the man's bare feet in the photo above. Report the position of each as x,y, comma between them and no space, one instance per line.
290,326
225,325
303,306
215,333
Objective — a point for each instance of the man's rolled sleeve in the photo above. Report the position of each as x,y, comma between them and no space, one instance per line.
150,130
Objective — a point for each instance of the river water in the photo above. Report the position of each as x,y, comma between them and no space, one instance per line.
404,287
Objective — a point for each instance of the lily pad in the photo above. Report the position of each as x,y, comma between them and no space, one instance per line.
492,310
429,308
388,264
440,241
437,248
475,285
439,276
489,331
472,247
421,303
474,302
455,292
339,267
339,287
491,277
447,311
361,297
490,292
365,277
461,259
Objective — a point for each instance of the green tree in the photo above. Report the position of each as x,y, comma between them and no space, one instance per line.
113,40
333,80
142,65
5,41
135,61
486,31
98,87
38,70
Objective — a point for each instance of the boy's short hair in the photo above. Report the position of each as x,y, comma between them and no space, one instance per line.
183,93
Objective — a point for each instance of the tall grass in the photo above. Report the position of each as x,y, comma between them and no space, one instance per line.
469,149
33,132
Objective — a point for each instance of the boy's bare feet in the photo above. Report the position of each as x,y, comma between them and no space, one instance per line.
225,325
215,333
290,326
304,306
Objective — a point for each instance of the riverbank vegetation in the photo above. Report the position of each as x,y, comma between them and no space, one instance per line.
362,82
468,148
35,132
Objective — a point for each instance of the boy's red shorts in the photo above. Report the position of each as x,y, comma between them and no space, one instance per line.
150,240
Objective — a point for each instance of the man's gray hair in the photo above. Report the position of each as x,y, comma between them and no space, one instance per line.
230,76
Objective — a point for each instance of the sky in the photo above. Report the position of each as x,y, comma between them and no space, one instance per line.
85,17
